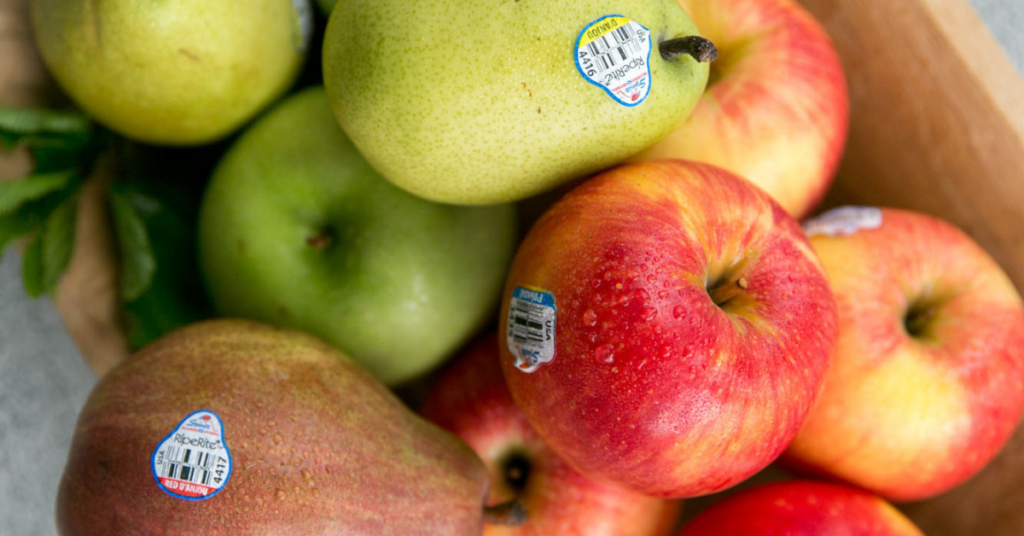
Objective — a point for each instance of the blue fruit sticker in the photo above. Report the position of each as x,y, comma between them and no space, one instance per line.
531,328
614,53
193,462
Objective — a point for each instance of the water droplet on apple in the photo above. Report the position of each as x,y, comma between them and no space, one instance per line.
280,494
605,353
594,283
678,312
666,351
648,314
278,439
651,278
663,294
641,296
643,267
316,492
589,318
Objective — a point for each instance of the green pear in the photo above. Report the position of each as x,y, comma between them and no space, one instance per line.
296,229
233,428
477,102
174,73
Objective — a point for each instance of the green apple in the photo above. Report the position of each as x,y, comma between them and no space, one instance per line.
175,73
298,230
478,102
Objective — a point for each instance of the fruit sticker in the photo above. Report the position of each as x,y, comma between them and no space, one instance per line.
302,25
193,462
531,328
844,221
614,53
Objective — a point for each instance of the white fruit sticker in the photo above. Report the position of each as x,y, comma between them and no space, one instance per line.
302,25
531,328
193,462
844,221
614,53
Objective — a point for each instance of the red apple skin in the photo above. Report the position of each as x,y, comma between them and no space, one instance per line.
653,386
802,508
470,400
906,417
776,110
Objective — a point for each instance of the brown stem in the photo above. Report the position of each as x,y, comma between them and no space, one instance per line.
510,514
701,49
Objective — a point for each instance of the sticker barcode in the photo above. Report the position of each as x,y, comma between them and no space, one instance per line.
193,462
615,48
613,53
531,328
196,466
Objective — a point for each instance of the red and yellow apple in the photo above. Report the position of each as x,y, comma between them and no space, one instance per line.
666,327
801,508
927,384
470,400
776,110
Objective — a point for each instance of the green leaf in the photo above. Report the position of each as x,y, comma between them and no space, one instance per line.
32,267
31,215
37,127
136,252
40,121
13,194
176,297
50,251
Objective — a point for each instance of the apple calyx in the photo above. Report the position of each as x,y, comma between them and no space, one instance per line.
696,46
321,240
918,318
509,514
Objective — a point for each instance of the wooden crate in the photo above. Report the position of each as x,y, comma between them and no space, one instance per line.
937,126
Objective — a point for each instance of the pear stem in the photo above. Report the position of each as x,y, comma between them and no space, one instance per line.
701,49
510,514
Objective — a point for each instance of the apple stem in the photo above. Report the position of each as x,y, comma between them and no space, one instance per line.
696,46
510,514
722,294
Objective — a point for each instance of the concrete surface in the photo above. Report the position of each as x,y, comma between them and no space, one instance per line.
44,382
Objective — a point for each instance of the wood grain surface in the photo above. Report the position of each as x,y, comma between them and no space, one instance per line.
86,297
937,126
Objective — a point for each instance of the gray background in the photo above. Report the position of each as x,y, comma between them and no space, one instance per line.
44,382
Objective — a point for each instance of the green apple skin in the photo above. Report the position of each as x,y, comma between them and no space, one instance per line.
185,72
400,284
480,102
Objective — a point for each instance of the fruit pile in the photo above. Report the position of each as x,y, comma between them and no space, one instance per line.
599,222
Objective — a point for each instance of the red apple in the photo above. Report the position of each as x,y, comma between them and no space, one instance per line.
801,508
471,401
928,379
668,327
776,110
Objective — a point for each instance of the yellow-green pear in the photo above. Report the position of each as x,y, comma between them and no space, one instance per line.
179,72
478,102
